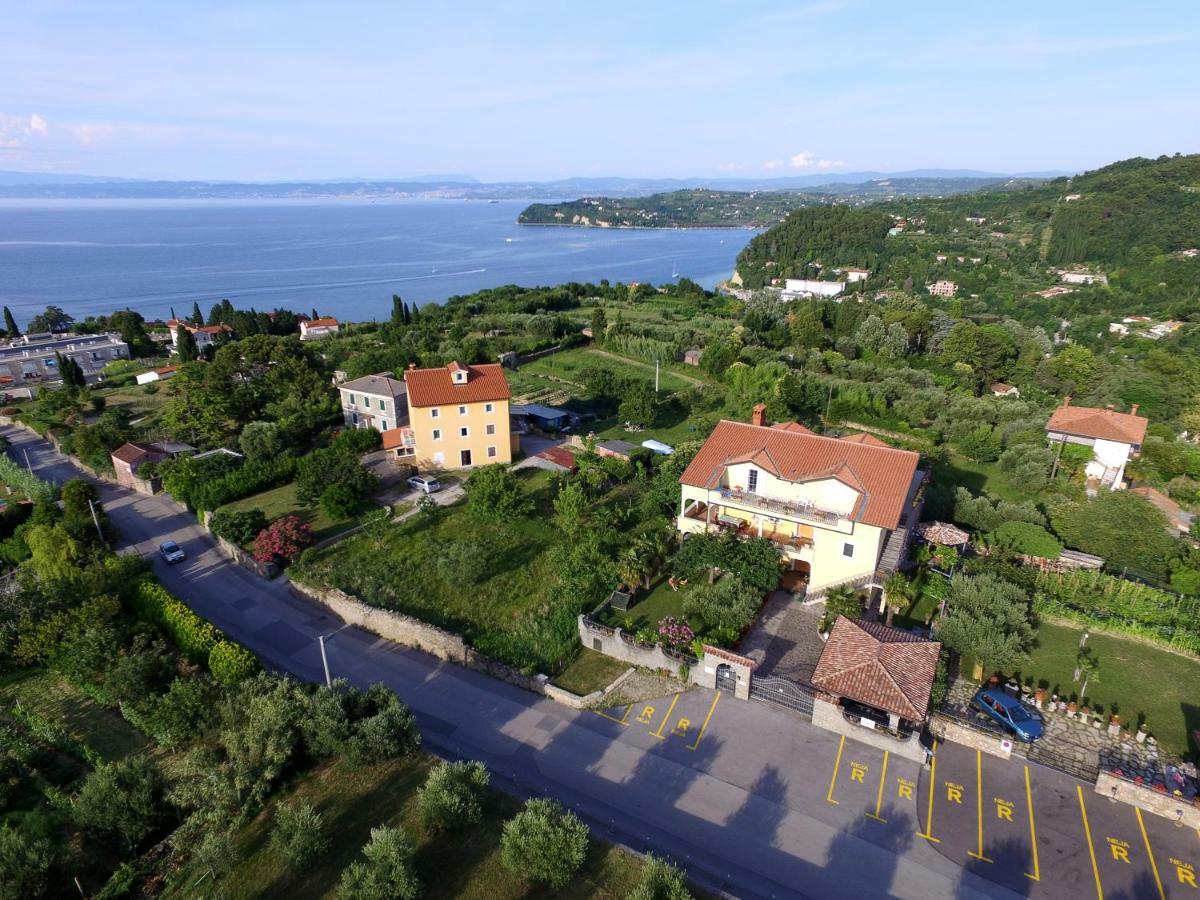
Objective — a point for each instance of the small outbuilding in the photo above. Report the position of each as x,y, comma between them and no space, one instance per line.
159,374
555,459
545,418
692,357
1000,389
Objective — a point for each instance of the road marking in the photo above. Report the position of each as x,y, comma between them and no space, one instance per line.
879,796
1120,851
704,727
928,834
670,709
1087,830
1037,872
1150,853
858,772
904,788
620,721
979,805
681,727
647,714
1186,872
836,765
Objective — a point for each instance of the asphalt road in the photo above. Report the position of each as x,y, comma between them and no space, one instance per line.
752,800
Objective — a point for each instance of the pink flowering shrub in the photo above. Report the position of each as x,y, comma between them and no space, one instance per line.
675,633
283,539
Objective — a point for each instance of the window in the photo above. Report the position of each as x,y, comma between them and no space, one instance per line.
366,402
383,422
491,428
487,407
847,550
437,434
462,410
433,413
491,452
383,406
351,399
464,431
752,481
354,417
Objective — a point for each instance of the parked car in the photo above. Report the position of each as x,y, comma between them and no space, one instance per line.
426,483
1010,712
171,551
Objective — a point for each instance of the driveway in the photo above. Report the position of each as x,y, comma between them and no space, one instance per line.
752,800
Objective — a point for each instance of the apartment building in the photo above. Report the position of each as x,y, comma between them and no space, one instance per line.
943,288
204,335
32,357
459,416
374,401
315,329
840,510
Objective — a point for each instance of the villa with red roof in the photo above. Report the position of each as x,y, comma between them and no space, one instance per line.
840,510
1114,437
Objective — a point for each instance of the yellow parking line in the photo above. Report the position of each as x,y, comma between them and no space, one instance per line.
704,727
979,806
836,764
658,734
1037,872
927,834
1150,853
620,721
1087,830
879,796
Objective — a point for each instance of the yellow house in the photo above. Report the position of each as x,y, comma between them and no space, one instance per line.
459,416
840,510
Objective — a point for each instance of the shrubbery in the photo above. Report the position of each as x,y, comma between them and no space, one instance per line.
1026,538
231,663
283,540
544,843
238,526
209,483
452,797
194,636
299,834
386,873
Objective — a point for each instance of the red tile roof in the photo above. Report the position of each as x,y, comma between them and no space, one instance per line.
131,453
882,475
1105,424
394,437
436,387
793,426
324,321
864,438
560,456
883,667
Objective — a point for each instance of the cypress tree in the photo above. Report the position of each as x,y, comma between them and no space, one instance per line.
10,324
397,310
186,345
197,316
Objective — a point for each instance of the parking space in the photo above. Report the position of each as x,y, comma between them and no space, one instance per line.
683,719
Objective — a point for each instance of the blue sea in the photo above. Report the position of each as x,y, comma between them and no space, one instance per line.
345,258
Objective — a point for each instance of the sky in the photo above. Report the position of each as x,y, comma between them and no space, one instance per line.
542,90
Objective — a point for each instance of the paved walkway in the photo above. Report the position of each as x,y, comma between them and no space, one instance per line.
784,641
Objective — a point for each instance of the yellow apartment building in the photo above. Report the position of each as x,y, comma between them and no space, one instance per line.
459,416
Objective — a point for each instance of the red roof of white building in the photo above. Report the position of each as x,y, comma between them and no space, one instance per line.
1103,424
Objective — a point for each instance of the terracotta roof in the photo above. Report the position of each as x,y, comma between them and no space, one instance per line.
883,667
131,452
795,427
729,656
560,457
383,385
882,475
435,387
164,370
318,323
863,438
1105,424
1001,388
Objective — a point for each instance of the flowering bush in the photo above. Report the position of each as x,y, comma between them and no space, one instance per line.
675,633
283,539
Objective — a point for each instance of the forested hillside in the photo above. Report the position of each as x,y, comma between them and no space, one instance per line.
831,235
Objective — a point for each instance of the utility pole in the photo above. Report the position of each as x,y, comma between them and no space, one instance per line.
96,520
325,661
656,376
27,465
1057,457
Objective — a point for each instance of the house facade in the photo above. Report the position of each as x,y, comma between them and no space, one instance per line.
204,335
459,416
1114,437
840,511
943,288
32,357
374,401
315,329
812,287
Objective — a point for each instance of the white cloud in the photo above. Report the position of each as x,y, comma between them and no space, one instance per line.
806,159
773,164
38,124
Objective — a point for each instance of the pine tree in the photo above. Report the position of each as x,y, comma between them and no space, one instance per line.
407,313
10,324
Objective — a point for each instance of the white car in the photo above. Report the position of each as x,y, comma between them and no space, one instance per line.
425,483
171,552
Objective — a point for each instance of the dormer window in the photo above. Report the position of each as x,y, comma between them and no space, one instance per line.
458,373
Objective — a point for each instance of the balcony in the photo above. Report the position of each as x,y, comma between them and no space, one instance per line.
715,519
790,509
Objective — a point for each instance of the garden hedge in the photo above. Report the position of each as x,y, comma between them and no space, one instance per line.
231,663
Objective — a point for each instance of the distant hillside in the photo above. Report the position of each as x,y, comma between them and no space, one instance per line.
705,208
831,236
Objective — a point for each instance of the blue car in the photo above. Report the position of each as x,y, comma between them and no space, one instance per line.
1010,712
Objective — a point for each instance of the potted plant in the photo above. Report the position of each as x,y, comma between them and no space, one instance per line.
1142,733
1039,696
1071,707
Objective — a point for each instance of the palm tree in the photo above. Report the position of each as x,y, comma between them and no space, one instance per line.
897,593
637,562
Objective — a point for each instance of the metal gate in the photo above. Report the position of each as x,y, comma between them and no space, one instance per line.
726,679
788,694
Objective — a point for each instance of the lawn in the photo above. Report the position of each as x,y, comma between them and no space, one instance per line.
353,800
591,671
282,501
570,364
490,582
1139,680
978,478
650,609
54,698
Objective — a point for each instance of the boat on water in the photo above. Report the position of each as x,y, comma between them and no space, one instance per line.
493,201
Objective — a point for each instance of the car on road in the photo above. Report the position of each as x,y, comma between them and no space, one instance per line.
171,552
1010,712
425,483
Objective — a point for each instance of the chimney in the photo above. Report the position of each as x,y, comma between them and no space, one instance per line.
1110,408
1133,410
412,366
1067,400
759,415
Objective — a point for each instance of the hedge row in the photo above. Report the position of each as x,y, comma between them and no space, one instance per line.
247,479
198,640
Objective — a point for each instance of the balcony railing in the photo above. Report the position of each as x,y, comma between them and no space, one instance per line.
699,511
791,509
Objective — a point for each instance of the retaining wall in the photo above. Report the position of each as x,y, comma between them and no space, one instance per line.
829,716
946,729
620,645
1178,810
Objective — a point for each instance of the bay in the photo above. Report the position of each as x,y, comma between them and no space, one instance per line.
344,258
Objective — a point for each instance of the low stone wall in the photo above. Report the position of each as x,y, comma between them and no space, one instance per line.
1178,810
946,729
587,701
829,716
620,645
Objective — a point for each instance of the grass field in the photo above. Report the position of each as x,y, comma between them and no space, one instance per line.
52,697
570,363
484,581
1141,681
591,671
353,800
978,478
282,501
659,603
